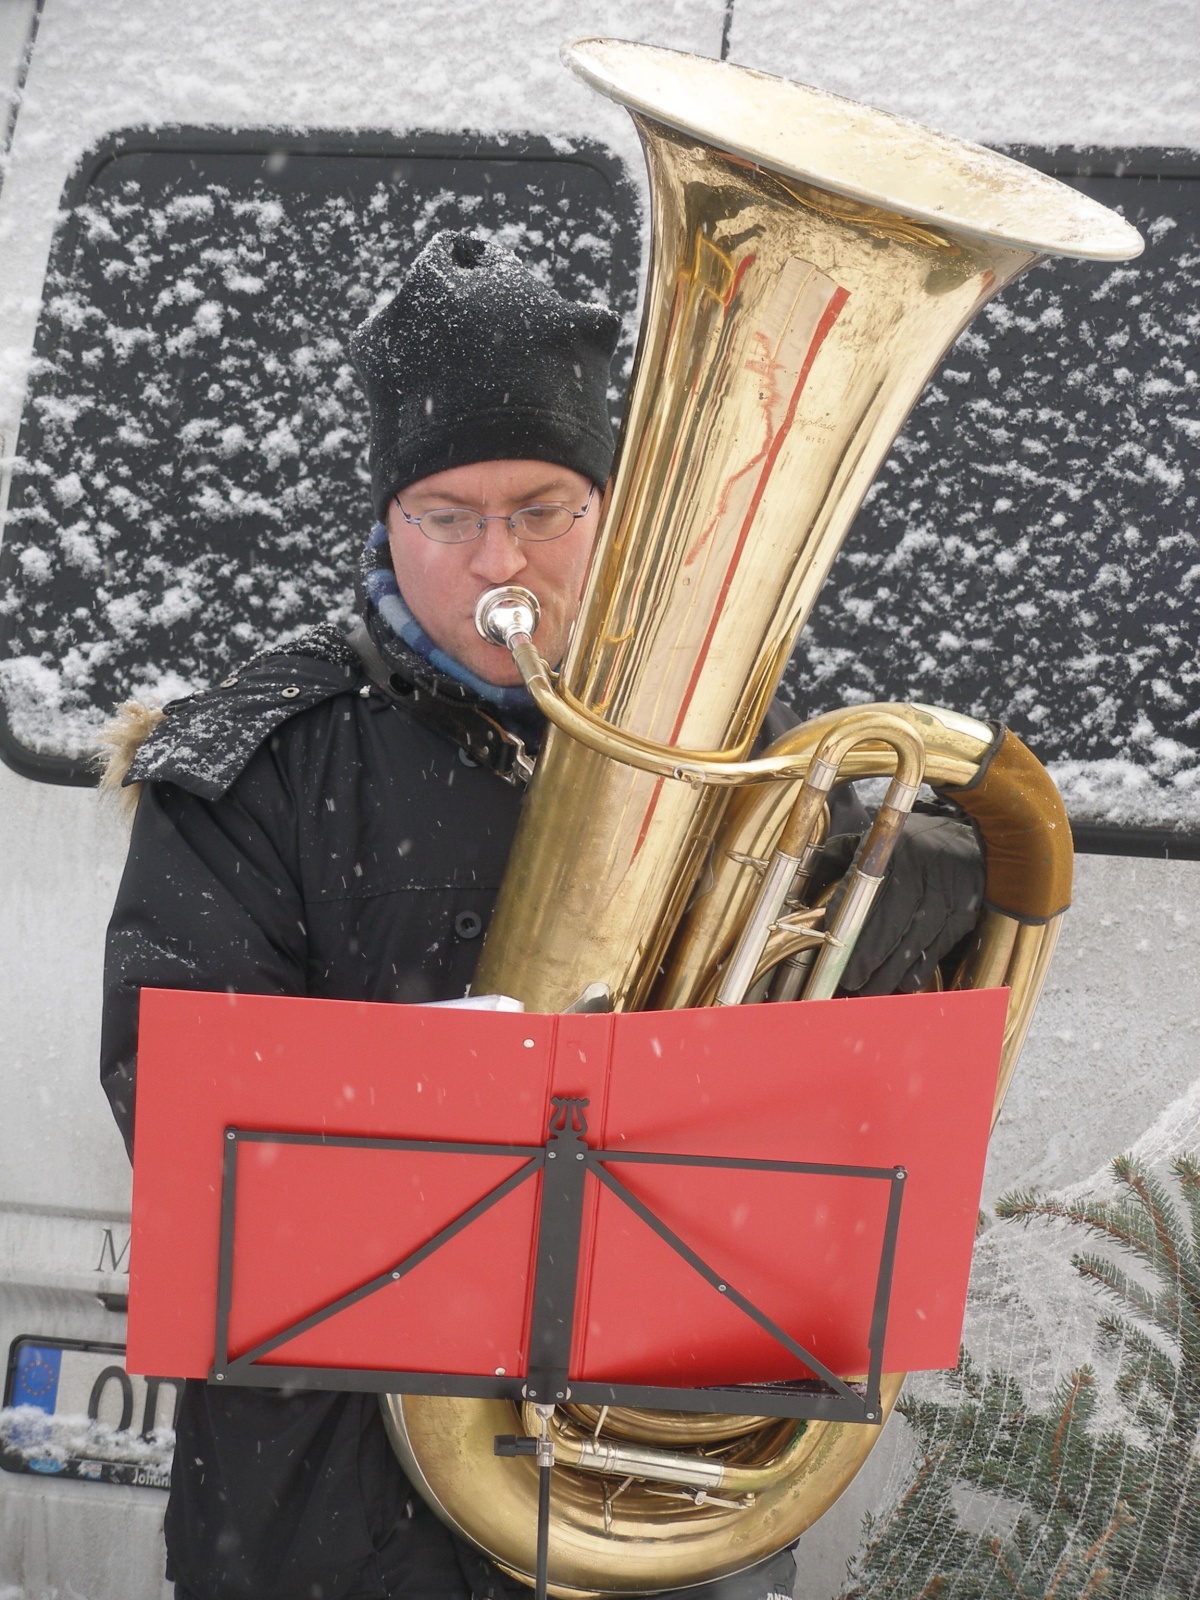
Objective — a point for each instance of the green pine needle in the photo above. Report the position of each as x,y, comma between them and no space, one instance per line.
1113,1514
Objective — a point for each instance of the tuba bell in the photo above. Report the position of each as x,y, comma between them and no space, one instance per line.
812,260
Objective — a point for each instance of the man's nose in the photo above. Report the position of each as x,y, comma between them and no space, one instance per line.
497,556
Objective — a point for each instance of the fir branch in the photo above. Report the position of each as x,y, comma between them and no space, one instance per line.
968,1375
1077,1384
935,1587
1187,1172
1118,1221
1162,1310
1094,1584
1005,1569
1142,1363
1095,1510
1161,1212
1029,1205
1121,1519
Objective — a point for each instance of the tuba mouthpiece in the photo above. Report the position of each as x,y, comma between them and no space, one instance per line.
503,614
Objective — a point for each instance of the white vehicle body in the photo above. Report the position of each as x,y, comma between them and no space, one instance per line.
1117,1039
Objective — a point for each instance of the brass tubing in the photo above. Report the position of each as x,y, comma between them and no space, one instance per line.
653,1427
637,1461
784,942
1032,949
785,872
954,747
792,862
985,966
866,875
667,761
489,1504
728,884
793,970
620,1459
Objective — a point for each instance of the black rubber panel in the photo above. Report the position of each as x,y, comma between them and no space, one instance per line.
192,485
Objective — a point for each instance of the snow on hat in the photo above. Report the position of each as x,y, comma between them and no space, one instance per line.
476,359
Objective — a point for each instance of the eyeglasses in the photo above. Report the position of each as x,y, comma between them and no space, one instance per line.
459,525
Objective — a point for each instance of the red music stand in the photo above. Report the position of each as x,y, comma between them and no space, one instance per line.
736,1209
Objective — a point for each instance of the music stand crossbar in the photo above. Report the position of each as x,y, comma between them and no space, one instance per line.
564,1161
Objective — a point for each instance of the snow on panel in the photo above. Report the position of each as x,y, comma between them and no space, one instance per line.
1030,550
192,480
192,477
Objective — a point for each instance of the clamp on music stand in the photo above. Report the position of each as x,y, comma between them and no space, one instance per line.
564,1162
516,1444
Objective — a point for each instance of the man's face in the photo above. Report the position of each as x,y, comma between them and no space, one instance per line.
442,583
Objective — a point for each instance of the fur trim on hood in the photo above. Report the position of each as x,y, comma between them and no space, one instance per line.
118,744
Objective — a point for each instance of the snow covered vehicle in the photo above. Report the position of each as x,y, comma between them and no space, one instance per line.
196,209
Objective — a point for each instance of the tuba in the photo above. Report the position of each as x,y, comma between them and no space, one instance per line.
812,260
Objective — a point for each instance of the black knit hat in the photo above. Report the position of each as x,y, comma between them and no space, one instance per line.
475,359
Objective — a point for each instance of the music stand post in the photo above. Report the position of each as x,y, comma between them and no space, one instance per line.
564,1162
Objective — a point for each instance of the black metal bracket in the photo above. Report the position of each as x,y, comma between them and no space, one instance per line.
564,1162
514,1444
560,1226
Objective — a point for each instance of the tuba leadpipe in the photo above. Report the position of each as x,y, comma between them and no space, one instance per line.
811,262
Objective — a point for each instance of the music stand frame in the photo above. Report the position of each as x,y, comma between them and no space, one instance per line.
563,1161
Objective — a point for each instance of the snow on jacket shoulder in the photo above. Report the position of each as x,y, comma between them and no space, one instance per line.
204,742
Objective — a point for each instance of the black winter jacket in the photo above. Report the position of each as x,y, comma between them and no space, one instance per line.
301,833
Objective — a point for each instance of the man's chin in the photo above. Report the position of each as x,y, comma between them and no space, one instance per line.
493,665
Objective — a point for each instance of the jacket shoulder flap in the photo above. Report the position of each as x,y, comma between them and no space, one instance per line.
204,742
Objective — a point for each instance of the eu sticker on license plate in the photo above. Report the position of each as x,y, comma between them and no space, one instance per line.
71,1409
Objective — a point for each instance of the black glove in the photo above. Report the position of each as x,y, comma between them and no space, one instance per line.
931,898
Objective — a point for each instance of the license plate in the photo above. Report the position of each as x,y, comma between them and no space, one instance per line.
72,1411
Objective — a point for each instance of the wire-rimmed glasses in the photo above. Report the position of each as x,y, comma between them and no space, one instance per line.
459,524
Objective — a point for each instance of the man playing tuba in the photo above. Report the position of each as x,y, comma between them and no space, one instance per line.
334,820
